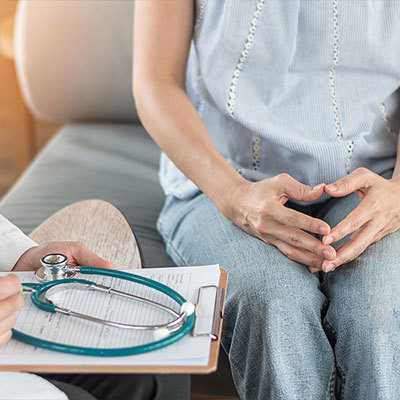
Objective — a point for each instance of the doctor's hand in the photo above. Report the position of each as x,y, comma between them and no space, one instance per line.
377,215
259,209
75,252
11,300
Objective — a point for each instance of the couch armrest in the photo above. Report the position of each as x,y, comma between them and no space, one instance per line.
74,59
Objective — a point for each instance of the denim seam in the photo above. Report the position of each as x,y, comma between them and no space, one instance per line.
235,367
168,243
343,379
330,390
174,250
338,366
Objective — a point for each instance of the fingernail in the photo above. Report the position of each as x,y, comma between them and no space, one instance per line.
327,253
317,187
328,239
332,188
329,267
322,230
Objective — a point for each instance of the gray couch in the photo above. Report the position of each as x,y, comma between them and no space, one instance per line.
74,61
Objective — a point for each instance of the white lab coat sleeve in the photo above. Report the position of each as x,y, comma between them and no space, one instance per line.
23,386
13,243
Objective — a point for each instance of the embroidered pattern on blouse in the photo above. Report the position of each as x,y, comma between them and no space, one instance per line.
198,83
332,86
332,71
386,119
243,58
256,152
200,14
350,147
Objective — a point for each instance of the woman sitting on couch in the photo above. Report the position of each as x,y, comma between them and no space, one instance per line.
277,146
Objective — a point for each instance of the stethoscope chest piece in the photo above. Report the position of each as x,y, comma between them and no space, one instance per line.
54,267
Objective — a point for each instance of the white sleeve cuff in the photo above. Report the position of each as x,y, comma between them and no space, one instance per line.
22,386
13,243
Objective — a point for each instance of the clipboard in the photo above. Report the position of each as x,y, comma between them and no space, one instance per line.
148,369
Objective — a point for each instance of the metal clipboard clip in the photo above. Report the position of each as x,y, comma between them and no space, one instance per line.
218,314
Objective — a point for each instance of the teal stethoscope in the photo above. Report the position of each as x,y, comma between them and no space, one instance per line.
57,275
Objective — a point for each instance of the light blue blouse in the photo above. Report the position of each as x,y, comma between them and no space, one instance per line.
297,86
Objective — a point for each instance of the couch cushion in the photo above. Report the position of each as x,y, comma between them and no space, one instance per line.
114,162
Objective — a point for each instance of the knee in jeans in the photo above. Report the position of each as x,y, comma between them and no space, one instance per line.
367,315
259,297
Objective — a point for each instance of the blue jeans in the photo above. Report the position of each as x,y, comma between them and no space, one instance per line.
291,334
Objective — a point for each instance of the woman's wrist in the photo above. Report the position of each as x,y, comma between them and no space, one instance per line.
218,180
228,201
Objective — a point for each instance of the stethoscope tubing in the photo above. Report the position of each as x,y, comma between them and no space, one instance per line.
103,352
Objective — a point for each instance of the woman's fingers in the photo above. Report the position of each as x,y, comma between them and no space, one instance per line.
296,190
300,239
363,213
360,178
299,255
381,234
287,216
354,247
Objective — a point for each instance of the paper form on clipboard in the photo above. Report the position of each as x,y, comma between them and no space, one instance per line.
190,351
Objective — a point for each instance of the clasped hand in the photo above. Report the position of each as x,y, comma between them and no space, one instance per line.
260,210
